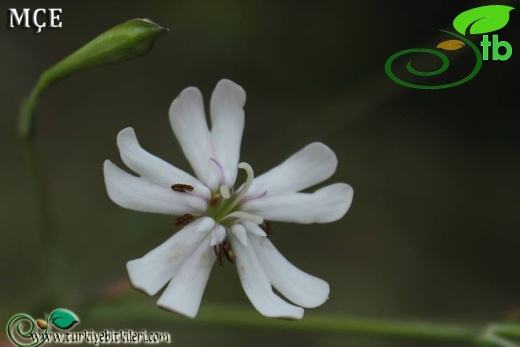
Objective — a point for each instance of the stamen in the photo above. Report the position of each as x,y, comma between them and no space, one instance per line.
267,228
247,184
188,189
228,252
254,197
218,254
183,220
222,250
215,200
220,247
221,174
182,188
245,215
196,195
224,191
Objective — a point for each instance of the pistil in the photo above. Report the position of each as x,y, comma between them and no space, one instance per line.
223,208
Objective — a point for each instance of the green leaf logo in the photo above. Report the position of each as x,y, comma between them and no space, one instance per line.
482,20
63,319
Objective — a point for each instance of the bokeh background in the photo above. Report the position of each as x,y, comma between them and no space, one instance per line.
433,232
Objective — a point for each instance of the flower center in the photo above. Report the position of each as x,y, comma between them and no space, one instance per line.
224,204
224,209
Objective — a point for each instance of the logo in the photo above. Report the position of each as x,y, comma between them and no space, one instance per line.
32,18
25,331
479,20
22,328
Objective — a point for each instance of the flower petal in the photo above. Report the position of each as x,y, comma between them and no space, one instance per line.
151,272
227,126
240,232
257,286
307,167
325,205
138,194
191,129
301,288
253,228
205,225
151,167
218,235
184,292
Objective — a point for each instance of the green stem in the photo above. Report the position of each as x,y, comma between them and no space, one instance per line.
38,186
509,330
129,40
340,324
226,315
25,125
46,223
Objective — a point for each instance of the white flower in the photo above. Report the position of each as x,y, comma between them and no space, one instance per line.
219,221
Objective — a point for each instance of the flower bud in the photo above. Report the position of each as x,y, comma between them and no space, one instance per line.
132,39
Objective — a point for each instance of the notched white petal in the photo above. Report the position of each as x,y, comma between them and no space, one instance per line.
139,194
325,205
257,286
191,129
151,272
299,287
218,235
311,165
151,167
205,225
239,232
253,228
184,292
227,126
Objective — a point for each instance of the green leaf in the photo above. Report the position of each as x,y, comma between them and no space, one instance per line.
63,319
482,20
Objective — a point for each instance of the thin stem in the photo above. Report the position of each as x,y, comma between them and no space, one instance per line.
226,315
26,123
129,40
509,330
37,180
339,324
46,223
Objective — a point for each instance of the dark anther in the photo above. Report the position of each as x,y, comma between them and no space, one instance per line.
228,252
182,188
218,254
222,250
267,228
214,200
183,220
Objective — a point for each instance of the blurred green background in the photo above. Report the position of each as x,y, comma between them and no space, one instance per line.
433,229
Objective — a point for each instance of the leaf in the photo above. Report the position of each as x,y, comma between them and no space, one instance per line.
482,20
41,323
63,319
451,45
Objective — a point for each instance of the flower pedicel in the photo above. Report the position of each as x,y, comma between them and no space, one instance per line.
219,221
